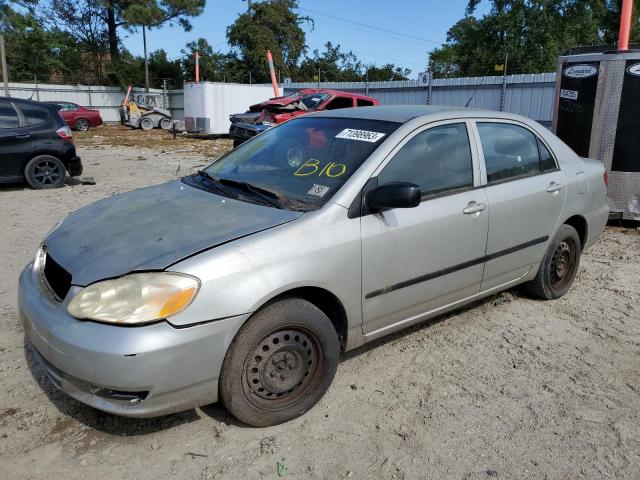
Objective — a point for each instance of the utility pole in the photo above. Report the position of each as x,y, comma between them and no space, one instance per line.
5,74
146,60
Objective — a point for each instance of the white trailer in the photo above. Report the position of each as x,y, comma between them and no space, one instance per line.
207,105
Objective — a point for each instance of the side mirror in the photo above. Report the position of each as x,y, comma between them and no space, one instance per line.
394,195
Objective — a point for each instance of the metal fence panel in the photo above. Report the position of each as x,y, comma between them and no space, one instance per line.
529,95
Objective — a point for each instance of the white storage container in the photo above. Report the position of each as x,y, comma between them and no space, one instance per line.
207,105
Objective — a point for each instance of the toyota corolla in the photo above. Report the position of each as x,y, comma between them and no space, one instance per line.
244,282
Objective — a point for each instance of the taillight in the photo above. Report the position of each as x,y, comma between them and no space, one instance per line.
65,134
606,178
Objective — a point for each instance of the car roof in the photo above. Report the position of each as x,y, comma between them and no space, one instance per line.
404,113
342,93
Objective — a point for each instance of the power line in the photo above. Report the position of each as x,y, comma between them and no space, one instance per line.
373,27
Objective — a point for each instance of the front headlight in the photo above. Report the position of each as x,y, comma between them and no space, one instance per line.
136,298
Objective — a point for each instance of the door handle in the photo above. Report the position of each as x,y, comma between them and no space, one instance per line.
474,207
22,135
554,187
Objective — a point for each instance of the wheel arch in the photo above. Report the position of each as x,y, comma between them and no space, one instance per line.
37,153
75,122
323,299
580,224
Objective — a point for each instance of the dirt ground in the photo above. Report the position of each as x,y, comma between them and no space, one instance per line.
508,388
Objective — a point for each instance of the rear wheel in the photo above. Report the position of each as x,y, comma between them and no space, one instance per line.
45,171
82,125
559,265
280,364
146,124
165,124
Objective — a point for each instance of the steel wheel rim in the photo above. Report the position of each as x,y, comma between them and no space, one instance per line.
281,368
146,124
82,125
563,261
47,173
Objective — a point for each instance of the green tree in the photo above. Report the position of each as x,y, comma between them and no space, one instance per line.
130,14
214,66
333,65
269,26
161,68
387,72
530,33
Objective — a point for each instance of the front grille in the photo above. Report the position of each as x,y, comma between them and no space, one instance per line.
57,278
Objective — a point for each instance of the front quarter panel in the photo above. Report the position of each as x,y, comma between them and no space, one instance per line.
321,249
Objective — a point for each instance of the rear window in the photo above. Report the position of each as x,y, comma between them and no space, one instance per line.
8,115
34,114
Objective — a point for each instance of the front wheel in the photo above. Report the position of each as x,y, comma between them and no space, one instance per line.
280,364
146,124
559,265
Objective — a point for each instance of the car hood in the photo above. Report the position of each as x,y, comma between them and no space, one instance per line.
151,229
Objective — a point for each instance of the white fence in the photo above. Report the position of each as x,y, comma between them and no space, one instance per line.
105,99
529,95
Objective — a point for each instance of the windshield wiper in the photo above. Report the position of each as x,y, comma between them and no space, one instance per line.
214,180
272,198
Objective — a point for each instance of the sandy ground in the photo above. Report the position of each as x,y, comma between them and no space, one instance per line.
508,388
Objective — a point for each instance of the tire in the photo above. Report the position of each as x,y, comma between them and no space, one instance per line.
82,125
559,265
166,124
237,143
280,363
146,124
44,172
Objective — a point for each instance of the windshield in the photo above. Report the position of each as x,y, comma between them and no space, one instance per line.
300,164
313,100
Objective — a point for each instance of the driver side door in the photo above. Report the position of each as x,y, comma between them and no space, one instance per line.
417,260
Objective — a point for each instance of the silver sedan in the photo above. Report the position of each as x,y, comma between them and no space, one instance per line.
245,281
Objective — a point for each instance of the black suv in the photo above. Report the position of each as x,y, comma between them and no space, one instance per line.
35,144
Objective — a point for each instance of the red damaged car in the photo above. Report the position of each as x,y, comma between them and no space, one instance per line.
78,117
263,116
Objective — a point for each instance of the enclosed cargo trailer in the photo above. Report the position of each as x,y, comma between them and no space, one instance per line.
597,113
208,105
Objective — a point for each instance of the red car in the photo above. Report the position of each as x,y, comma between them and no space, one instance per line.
78,117
262,116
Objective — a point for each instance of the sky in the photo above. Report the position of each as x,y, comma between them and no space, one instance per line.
423,25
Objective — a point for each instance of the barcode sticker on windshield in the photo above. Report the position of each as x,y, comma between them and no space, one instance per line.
318,190
362,135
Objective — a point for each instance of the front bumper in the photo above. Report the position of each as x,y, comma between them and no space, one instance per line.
246,131
141,371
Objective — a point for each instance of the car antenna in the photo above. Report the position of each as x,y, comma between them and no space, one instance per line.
474,92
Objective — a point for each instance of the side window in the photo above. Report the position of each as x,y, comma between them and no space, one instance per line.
509,151
437,159
8,116
339,102
547,163
364,103
71,107
34,114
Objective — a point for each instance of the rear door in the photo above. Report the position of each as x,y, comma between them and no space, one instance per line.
415,260
526,193
16,142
